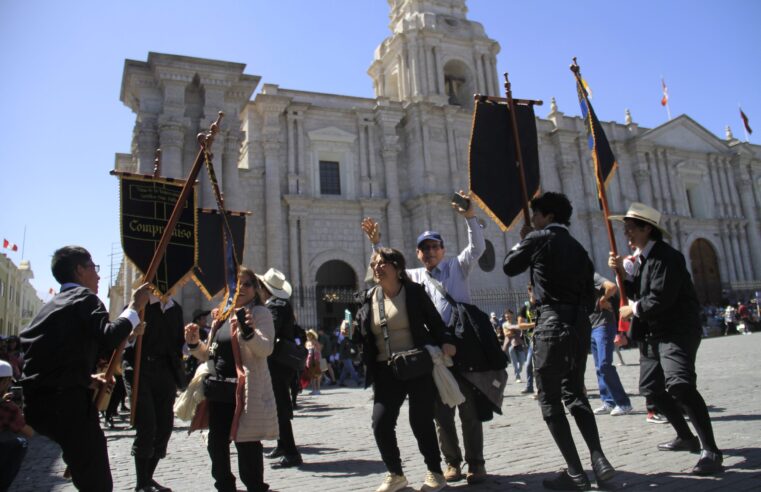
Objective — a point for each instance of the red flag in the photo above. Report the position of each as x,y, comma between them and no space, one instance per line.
745,122
51,291
665,98
9,245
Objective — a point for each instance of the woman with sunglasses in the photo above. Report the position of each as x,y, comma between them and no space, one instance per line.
412,322
241,402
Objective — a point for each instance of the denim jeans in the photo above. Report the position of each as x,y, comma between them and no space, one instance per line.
518,358
347,370
530,368
612,393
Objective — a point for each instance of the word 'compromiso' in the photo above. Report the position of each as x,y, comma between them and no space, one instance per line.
157,230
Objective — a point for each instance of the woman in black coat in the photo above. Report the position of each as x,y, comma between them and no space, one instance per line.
412,322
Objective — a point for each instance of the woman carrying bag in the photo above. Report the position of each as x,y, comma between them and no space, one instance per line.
397,317
241,403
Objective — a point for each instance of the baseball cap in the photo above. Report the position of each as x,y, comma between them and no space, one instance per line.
6,371
430,235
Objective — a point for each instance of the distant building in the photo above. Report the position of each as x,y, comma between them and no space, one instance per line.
18,299
311,165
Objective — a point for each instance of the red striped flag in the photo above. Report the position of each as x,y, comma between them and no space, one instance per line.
9,245
665,98
745,122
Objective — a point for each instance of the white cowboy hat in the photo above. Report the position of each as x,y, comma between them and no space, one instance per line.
276,283
642,212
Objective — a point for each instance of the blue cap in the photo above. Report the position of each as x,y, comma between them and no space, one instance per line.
430,235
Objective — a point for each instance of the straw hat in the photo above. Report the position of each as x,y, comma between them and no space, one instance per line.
275,282
646,214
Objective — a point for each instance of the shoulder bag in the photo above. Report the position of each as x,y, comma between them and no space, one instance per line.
409,364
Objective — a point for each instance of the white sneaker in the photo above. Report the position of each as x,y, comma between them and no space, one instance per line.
605,408
392,483
621,410
433,482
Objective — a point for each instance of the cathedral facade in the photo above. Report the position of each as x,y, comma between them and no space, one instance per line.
309,166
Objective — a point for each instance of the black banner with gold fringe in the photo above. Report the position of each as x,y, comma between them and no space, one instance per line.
145,206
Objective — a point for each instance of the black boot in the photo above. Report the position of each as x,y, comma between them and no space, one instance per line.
152,464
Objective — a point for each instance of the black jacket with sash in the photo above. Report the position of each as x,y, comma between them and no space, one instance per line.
668,304
426,324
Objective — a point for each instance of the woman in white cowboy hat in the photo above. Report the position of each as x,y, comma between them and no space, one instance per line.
666,321
275,296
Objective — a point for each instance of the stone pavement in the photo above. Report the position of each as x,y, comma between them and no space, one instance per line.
335,438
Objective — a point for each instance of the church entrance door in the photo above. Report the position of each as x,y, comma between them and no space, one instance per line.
336,285
705,272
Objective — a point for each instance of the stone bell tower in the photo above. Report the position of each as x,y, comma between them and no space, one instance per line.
434,54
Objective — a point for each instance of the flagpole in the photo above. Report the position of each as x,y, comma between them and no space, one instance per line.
23,239
622,328
205,139
518,155
668,108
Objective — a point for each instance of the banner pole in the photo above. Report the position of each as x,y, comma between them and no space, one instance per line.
205,140
623,327
518,155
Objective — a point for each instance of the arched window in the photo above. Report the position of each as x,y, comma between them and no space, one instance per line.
458,83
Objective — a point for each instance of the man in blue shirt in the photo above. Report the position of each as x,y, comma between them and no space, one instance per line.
452,274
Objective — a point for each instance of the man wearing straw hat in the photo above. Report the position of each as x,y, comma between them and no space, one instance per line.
278,291
665,320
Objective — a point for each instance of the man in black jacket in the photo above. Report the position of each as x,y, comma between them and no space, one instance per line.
61,346
666,321
161,373
562,280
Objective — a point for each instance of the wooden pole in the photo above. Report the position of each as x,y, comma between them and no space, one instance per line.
623,327
205,140
518,154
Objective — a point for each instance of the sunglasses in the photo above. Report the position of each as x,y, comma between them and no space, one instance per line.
247,284
94,267
428,247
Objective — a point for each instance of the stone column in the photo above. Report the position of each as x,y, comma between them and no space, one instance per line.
642,178
273,207
736,255
733,196
404,91
726,244
481,86
292,178
716,188
449,126
172,137
293,248
725,188
415,70
374,182
302,176
234,199
744,184
364,177
147,141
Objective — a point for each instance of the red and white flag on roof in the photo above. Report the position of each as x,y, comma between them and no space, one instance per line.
9,245
745,122
665,98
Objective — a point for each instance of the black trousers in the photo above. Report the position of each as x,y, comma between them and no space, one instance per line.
154,416
250,458
561,345
117,396
389,394
668,379
281,386
71,420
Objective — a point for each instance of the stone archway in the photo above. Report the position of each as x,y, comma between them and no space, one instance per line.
705,272
336,284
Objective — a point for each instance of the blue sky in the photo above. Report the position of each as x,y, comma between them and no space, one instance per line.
62,63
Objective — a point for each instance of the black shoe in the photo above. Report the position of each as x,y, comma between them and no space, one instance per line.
159,487
691,444
604,471
565,481
275,453
709,463
288,461
148,488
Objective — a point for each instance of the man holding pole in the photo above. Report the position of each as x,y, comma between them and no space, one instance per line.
562,280
666,321
61,346
161,373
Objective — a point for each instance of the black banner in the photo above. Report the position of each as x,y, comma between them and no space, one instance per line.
493,172
209,272
146,205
